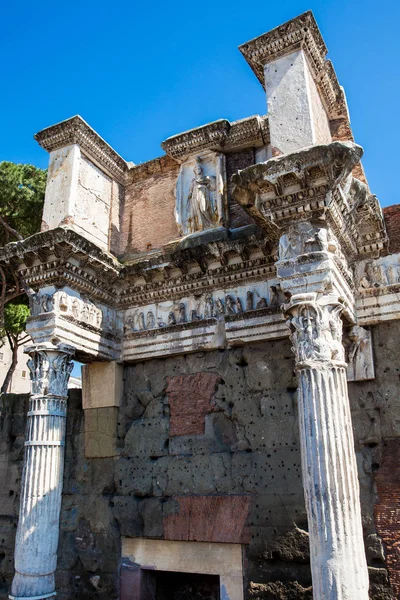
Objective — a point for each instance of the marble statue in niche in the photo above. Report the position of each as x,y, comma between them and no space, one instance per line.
201,200
201,194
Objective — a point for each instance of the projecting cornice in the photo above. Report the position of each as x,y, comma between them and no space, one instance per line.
314,183
76,131
299,33
219,136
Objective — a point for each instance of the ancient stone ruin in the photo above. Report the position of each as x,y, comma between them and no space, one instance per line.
236,304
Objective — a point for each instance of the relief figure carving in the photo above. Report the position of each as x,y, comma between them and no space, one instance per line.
182,313
150,321
303,238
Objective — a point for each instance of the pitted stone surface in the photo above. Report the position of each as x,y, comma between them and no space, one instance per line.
104,498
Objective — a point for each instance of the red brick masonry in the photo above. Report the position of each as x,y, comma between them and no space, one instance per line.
387,509
190,400
209,519
392,220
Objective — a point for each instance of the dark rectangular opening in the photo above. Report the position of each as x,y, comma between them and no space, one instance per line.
169,585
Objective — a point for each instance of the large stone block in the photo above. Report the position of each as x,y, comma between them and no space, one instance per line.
101,432
102,384
147,438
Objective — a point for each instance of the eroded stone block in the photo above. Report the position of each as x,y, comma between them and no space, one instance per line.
102,384
101,432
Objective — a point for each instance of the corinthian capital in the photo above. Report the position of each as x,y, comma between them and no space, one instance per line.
50,367
316,330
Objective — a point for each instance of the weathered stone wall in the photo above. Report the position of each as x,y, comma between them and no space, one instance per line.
209,450
375,408
12,432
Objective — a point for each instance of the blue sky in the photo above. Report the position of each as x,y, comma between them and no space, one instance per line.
141,71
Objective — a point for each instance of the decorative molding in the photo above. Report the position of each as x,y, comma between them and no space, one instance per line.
299,33
63,242
76,131
252,131
314,183
219,136
207,137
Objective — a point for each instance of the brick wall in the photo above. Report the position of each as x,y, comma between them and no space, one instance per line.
392,219
387,509
149,221
234,162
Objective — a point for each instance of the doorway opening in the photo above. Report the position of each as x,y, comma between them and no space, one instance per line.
177,570
170,585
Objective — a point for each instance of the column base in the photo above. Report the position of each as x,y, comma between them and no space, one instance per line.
32,597
32,587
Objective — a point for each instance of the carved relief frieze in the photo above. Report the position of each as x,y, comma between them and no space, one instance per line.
73,319
379,273
378,287
66,305
204,307
303,238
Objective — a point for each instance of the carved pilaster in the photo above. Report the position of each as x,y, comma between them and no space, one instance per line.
330,478
38,526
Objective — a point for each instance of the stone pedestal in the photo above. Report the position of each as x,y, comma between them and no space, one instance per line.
42,477
330,479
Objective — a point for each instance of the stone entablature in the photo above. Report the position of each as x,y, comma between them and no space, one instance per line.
219,136
315,183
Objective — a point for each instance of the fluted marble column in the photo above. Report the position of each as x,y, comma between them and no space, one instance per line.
37,534
330,479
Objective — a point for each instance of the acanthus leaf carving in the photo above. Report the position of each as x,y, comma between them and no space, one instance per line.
316,329
50,367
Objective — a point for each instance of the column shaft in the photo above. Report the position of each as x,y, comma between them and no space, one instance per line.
40,503
329,467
